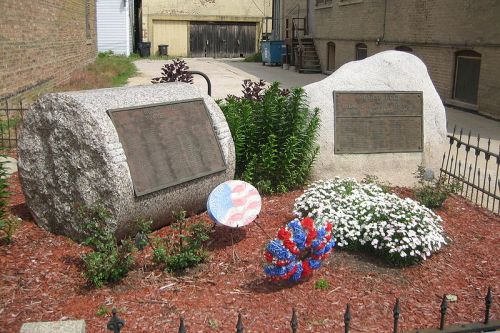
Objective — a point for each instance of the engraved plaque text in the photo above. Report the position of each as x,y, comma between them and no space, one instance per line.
167,144
378,122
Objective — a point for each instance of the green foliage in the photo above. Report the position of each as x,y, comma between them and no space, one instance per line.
433,192
274,138
372,179
321,284
109,262
184,248
256,57
103,311
7,224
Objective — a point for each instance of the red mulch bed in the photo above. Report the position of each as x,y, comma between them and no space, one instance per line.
41,280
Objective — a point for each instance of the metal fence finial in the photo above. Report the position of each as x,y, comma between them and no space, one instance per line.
294,323
115,324
239,324
347,318
488,301
182,329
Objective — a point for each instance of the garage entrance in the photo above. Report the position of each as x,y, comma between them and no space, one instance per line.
222,40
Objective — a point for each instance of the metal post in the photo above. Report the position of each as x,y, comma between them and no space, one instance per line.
444,307
396,312
209,84
347,318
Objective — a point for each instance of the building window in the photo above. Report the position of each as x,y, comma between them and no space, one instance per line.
330,66
361,51
87,19
404,48
467,68
323,3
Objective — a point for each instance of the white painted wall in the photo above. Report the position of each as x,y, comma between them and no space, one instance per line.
114,26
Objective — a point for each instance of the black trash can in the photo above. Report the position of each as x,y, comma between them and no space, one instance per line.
144,49
163,50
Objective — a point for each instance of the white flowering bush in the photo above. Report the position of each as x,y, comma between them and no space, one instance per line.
364,217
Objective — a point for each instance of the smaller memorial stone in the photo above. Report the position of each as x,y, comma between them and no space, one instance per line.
234,204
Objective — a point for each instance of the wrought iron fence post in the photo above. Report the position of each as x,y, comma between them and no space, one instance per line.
294,323
209,84
239,324
347,318
444,307
182,329
115,324
488,301
396,312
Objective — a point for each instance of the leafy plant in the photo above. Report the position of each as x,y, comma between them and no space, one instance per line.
256,57
432,192
274,133
108,262
365,218
184,248
321,284
176,71
8,225
372,179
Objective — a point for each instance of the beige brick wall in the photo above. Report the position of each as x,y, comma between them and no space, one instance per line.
41,43
434,29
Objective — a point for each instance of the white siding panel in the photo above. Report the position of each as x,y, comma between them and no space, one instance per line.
113,26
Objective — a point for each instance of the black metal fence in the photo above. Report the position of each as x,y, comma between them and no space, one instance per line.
116,324
472,166
10,119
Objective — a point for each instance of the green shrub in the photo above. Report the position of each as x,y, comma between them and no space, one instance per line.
184,248
274,138
432,192
108,262
256,57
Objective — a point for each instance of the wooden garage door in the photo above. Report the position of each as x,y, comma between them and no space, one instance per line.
222,40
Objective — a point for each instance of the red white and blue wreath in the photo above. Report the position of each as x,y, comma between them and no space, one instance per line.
300,247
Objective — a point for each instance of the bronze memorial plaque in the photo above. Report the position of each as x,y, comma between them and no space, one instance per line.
378,122
168,144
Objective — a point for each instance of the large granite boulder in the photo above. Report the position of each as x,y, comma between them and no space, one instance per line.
389,71
70,154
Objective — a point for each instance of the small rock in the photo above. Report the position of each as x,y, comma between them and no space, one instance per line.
451,298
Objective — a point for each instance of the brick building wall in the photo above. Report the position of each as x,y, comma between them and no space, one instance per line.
41,43
434,29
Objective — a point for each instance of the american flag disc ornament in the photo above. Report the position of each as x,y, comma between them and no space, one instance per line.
234,204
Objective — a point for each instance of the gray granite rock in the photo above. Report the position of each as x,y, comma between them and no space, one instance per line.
68,326
384,71
70,154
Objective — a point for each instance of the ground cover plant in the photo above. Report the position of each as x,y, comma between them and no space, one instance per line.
183,248
365,217
109,261
256,57
108,70
432,192
274,133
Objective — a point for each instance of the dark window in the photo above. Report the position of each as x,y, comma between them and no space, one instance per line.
467,68
87,19
330,56
361,51
404,48
323,2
